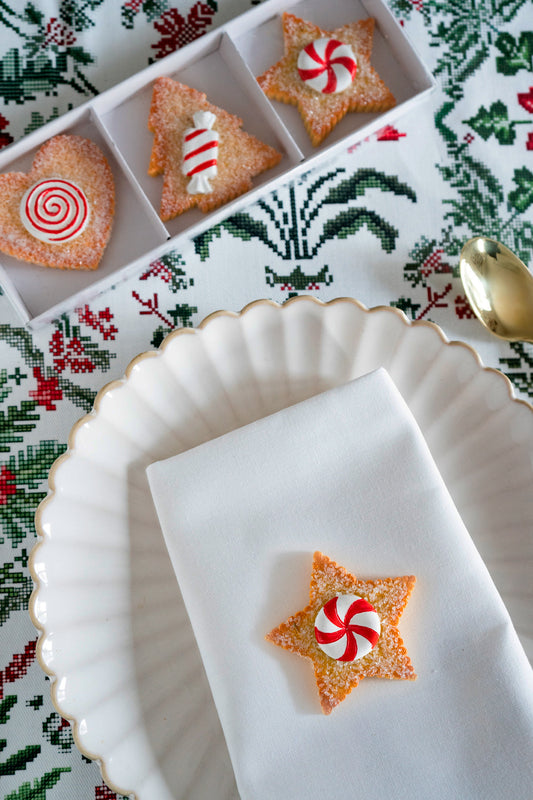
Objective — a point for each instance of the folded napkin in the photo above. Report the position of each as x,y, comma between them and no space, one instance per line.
348,473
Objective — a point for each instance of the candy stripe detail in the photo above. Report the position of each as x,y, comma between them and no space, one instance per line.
347,627
54,211
193,133
197,141
201,167
327,66
208,146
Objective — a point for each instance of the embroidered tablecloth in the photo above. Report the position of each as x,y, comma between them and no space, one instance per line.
458,165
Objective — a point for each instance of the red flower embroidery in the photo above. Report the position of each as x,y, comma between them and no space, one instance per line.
68,355
157,268
96,321
7,485
59,34
47,390
133,5
463,309
526,100
103,792
18,666
176,31
529,143
432,263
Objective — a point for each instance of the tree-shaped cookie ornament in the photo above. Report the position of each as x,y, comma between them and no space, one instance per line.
205,157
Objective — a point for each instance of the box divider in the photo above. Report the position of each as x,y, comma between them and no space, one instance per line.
242,73
151,213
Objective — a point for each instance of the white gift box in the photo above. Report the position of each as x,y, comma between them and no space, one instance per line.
223,64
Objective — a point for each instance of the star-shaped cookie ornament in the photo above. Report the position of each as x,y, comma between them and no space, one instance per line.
343,58
349,630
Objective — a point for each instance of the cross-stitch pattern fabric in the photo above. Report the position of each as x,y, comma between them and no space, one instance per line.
383,222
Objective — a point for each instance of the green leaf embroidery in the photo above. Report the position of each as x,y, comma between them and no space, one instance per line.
32,15
154,8
37,119
5,707
292,216
523,240
15,589
80,55
349,222
363,179
203,240
73,13
516,55
519,367
15,421
26,474
159,334
183,314
522,197
4,388
40,786
20,760
22,340
406,305
494,121
246,228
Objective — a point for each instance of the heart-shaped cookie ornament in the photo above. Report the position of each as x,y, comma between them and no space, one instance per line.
60,214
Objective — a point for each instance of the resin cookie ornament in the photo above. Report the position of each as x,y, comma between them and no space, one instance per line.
60,213
326,74
349,630
205,158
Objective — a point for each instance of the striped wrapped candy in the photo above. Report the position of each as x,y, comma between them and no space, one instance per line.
200,152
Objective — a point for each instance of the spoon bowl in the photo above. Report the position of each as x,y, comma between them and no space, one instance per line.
499,287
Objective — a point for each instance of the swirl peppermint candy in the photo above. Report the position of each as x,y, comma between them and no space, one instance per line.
347,627
327,65
54,210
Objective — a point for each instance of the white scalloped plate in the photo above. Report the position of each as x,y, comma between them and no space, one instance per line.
114,634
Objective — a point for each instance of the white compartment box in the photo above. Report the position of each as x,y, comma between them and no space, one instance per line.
223,64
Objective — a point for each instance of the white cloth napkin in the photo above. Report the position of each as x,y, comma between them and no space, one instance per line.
348,473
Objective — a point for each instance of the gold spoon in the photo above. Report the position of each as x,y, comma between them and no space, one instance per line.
499,288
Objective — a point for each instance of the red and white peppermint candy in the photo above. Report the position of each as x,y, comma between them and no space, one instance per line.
347,627
200,153
54,210
327,65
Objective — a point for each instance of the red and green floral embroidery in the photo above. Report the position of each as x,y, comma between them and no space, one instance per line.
48,54
50,64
